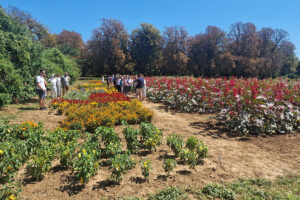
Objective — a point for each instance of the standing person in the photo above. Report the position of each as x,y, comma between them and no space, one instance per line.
65,80
139,87
41,89
118,84
144,88
58,85
53,82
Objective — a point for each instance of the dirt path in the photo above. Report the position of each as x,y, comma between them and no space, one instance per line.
18,113
230,158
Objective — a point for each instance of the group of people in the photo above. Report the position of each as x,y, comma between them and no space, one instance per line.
59,86
126,84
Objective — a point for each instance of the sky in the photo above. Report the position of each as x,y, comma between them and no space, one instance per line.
83,16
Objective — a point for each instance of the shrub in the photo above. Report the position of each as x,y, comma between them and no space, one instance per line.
146,167
175,142
169,165
119,165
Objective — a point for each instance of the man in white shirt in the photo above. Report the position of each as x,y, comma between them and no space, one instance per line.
41,89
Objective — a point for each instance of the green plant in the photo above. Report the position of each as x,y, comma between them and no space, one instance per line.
175,142
146,167
10,190
189,157
119,165
169,193
150,136
192,143
85,165
131,137
169,165
41,162
218,191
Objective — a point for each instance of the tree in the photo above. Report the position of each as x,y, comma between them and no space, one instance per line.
205,51
108,48
146,49
175,47
70,42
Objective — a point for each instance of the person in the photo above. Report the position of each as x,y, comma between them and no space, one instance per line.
58,85
41,89
118,84
144,88
110,82
53,82
139,87
65,80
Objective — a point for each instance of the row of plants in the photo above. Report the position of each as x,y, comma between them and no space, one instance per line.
88,112
20,144
245,106
283,187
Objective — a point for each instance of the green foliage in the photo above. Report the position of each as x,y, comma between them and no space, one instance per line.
218,191
169,193
41,162
131,137
21,58
111,141
169,165
175,142
10,82
10,190
146,167
194,153
146,49
119,165
150,136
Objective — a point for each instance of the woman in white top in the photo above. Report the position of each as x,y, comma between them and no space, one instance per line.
53,82
58,85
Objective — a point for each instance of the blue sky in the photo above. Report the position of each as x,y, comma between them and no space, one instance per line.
84,16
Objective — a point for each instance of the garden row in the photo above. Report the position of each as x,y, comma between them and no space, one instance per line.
86,141
84,153
244,106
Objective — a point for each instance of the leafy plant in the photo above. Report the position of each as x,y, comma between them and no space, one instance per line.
150,136
169,193
175,142
119,165
85,165
218,191
131,137
146,167
169,165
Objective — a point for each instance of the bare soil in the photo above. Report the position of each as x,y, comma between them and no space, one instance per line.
230,158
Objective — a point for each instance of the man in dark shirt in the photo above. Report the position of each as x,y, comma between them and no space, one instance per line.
139,87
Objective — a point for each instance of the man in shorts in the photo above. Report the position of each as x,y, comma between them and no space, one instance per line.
41,89
139,87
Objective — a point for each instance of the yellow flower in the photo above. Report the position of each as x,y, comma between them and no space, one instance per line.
94,151
84,151
79,155
1,152
11,197
81,180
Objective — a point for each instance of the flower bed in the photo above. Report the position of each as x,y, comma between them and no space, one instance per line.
101,109
245,106
90,116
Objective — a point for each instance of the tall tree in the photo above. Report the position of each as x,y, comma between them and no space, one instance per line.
70,42
205,50
146,49
108,48
175,47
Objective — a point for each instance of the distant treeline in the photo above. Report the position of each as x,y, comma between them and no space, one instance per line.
243,51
